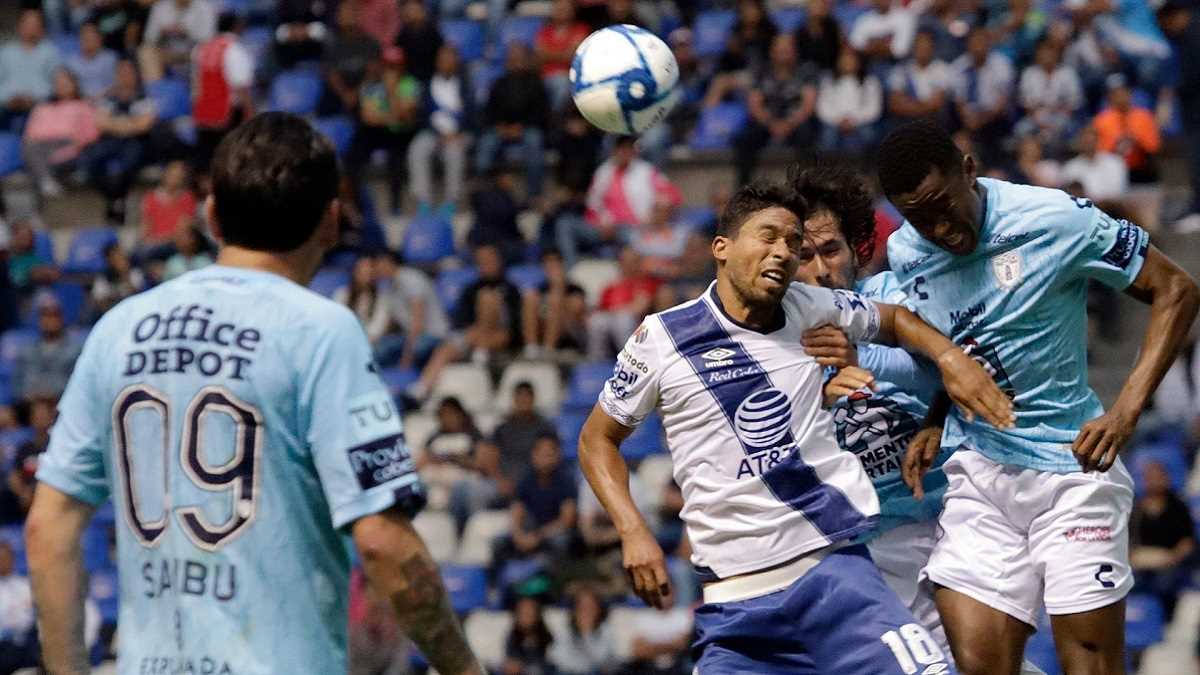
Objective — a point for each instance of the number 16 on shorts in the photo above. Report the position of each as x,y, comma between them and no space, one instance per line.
915,648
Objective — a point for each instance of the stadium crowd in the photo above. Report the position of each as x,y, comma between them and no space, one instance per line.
521,271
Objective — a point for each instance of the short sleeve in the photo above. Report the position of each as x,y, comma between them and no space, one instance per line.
354,430
238,66
854,314
1101,247
79,441
631,393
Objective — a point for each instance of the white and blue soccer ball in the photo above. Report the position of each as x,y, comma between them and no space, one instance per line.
624,79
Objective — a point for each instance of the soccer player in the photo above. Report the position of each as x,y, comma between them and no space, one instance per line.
770,501
238,422
1035,514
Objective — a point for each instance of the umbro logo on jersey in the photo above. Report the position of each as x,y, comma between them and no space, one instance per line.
718,357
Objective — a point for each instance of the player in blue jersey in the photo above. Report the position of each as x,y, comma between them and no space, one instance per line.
239,424
1037,514
771,503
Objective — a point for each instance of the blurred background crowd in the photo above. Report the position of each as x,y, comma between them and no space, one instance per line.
499,250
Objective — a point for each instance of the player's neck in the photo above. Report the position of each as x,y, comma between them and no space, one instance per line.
762,318
294,265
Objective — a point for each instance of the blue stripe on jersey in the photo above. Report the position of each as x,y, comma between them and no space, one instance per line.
744,392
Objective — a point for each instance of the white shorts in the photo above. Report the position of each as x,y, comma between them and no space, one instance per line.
900,554
1016,538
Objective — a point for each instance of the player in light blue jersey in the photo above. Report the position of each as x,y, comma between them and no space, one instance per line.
239,424
1037,514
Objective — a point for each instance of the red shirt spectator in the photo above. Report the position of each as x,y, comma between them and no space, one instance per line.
168,206
380,19
625,187
557,40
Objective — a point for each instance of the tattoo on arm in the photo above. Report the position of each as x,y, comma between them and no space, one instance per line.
424,612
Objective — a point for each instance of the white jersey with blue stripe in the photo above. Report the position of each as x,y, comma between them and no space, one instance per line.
876,425
238,422
753,449
1017,304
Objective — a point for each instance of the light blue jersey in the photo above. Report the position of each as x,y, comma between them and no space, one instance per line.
877,425
1017,304
238,422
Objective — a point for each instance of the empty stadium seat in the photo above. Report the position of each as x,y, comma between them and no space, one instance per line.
418,427
86,252
522,29
10,154
328,279
645,441
296,91
487,632
593,275
339,129
467,587
257,40
585,384
427,239
481,532
711,32
103,588
467,382
568,425
467,37
171,97
526,276
697,218
71,297
43,244
16,340
717,126
546,381
1144,621
450,285
788,19
439,533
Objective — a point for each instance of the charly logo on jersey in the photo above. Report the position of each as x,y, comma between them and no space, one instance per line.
716,358
876,430
1006,267
763,419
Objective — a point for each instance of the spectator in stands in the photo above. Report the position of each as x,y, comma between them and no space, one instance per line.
949,22
119,280
389,109
120,23
623,191
520,430
222,73
601,540
461,469
27,68
1130,28
416,311
849,105
21,479
94,65
885,33
543,514
1161,539
363,298
661,640
380,19
1050,95
125,118
1129,131
984,83
525,650
192,252
449,111
17,651
579,152
27,266
174,29
745,53
347,56
555,312
496,210
420,38
819,38
588,647
376,644
487,321
516,115
57,132
623,305
662,240
694,81
1181,24
1031,167
1103,175
781,104
1018,28
920,87
301,31
166,209
555,46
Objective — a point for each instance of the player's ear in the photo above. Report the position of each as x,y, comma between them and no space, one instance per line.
720,246
970,168
210,215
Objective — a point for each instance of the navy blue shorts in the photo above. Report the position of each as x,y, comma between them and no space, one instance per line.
840,618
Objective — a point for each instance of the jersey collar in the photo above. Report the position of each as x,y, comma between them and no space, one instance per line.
778,324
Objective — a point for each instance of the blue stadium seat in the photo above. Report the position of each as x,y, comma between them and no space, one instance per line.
15,536
6,398
427,240
86,253
296,91
646,440
16,340
95,547
339,129
450,285
1169,456
1144,621
257,40
10,154
43,245
398,379
568,425
329,279
527,276
523,29
717,126
104,590
711,32
789,19
467,37
585,385
106,515
15,438
483,75
172,97
71,297
846,13
697,218
66,43
466,586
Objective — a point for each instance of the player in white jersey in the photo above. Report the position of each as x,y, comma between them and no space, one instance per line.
1036,514
240,426
771,503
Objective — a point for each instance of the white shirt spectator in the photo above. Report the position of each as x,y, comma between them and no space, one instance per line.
899,22
195,18
411,287
661,627
986,87
238,66
847,97
1103,175
16,606
371,310
921,83
1059,90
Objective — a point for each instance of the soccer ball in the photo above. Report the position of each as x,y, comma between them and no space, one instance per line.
623,79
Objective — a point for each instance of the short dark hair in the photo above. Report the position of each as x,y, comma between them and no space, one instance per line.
752,198
228,22
832,185
272,180
523,385
910,152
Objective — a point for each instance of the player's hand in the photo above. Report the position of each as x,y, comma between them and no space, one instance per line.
973,390
1100,440
847,381
646,566
922,450
830,346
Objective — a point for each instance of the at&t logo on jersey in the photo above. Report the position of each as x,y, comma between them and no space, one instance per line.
763,423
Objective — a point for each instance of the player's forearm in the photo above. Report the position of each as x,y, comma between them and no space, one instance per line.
608,475
900,327
57,574
1173,307
939,408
